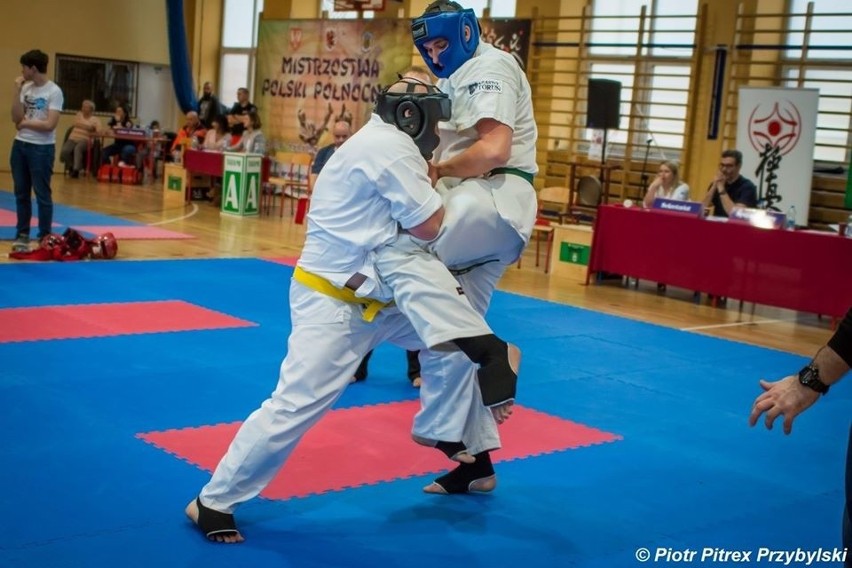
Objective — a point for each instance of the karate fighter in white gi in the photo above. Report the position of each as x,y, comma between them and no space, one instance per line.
372,186
485,166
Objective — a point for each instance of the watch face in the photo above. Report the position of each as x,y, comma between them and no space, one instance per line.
809,377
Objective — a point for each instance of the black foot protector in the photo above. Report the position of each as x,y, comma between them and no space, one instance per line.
451,449
214,523
463,477
498,361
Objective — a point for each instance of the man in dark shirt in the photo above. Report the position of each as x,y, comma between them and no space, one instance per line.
794,394
208,105
729,189
242,107
341,131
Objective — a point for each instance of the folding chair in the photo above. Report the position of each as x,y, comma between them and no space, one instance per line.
292,174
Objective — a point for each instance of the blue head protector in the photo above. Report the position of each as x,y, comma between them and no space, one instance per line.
446,20
415,113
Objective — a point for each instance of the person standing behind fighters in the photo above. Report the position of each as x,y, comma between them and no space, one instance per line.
341,131
729,190
36,104
485,163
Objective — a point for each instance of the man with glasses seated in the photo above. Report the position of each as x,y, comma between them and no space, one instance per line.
729,189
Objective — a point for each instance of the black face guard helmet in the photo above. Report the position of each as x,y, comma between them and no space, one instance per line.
416,113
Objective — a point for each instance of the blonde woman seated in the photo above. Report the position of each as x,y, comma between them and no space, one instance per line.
74,149
252,141
667,184
218,136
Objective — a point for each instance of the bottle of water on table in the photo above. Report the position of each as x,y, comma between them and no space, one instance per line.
790,223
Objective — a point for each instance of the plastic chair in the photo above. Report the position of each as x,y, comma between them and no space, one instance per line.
292,174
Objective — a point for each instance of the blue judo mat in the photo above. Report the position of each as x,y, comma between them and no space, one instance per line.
80,490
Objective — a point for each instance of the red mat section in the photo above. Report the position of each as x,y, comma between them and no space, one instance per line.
133,232
375,444
288,260
103,320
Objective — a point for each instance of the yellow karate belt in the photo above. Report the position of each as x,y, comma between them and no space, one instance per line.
323,286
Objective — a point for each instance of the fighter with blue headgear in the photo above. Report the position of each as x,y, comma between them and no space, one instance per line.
456,26
484,168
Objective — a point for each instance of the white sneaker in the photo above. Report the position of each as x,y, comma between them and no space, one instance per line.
21,244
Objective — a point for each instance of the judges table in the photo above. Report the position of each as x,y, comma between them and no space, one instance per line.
801,270
213,163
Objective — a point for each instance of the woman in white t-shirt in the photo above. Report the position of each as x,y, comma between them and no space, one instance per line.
667,184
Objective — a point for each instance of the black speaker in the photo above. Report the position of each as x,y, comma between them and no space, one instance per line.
603,106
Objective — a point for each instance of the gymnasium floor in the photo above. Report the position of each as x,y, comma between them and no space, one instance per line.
121,382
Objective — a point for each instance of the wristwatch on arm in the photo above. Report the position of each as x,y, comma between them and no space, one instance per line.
809,377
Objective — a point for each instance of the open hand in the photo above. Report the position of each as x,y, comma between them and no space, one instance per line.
786,397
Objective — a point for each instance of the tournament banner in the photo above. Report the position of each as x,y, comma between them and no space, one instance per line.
776,131
311,73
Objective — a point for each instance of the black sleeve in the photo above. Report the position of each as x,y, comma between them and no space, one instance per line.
841,341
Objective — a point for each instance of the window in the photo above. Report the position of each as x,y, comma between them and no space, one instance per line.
828,30
239,46
105,82
834,111
824,66
657,102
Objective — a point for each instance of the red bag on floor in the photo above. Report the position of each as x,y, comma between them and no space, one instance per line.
128,175
108,173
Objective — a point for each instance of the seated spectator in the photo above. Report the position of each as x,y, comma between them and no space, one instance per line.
341,131
191,133
667,184
75,147
729,190
217,140
252,140
217,137
125,148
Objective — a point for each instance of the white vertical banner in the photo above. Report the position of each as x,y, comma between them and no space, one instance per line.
776,129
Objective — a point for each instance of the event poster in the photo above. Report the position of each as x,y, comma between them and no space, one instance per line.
776,132
311,73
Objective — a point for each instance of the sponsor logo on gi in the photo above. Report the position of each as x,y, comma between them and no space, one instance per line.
488,86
